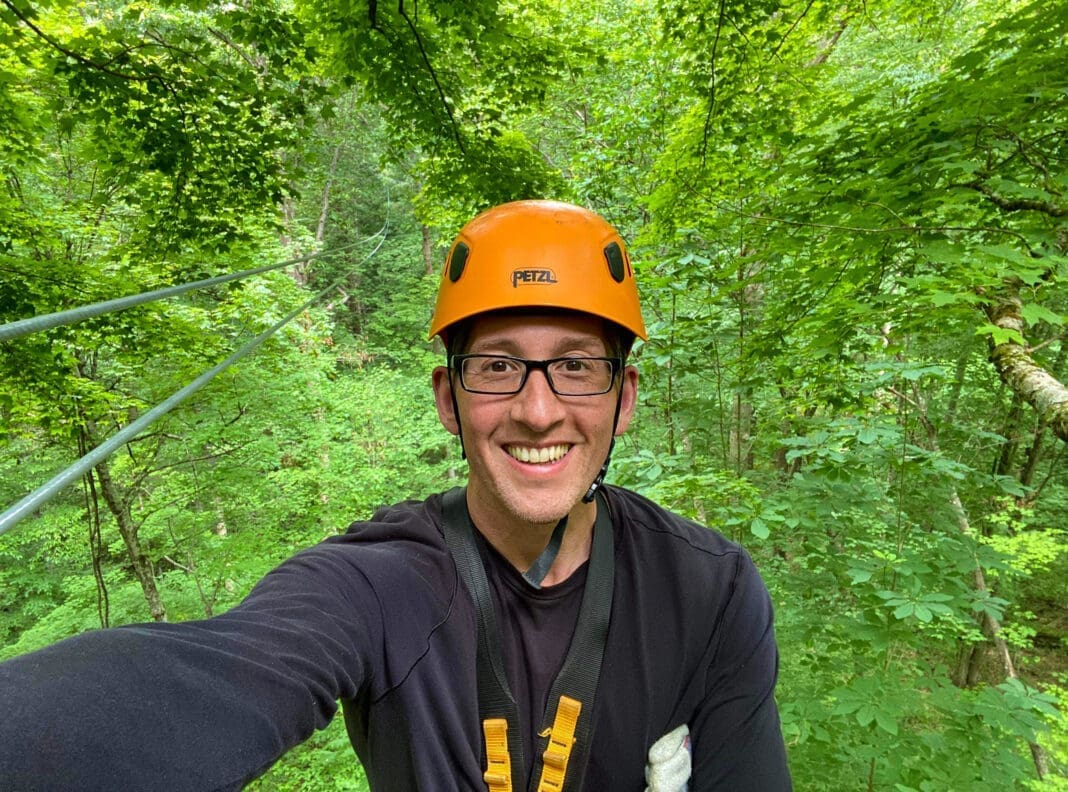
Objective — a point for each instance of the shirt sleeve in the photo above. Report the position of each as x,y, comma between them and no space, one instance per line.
194,706
736,737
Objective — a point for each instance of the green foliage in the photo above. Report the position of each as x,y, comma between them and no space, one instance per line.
824,200
451,79
179,110
323,764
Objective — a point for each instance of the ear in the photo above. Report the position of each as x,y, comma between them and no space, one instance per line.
628,398
443,400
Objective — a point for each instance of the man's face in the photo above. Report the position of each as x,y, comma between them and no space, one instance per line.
575,432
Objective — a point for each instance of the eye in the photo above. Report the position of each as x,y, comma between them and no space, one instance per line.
490,366
576,365
498,366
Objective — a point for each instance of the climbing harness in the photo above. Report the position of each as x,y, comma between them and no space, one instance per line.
561,766
535,576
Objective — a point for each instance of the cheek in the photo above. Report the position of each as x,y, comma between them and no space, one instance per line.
478,420
597,423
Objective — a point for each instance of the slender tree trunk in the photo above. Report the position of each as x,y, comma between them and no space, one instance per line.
324,206
958,384
990,625
741,441
1034,452
289,218
1011,432
96,546
428,249
128,528
116,503
750,298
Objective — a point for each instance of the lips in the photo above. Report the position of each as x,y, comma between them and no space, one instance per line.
538,456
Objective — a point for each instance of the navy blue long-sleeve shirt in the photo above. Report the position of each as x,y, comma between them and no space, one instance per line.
379,619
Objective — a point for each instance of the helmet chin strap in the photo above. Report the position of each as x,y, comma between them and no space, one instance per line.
599,481
456,415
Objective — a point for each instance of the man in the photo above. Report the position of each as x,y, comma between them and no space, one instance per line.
537,630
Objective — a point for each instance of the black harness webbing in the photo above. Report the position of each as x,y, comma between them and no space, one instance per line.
581,670
544,562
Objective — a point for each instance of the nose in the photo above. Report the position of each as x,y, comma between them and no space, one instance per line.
536,405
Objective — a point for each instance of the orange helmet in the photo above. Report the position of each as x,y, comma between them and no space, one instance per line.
538,254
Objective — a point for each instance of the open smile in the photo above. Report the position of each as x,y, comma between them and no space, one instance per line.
538,456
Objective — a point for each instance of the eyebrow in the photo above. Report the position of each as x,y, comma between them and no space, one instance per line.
591,345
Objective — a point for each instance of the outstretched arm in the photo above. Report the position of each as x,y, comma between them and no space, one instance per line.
197,706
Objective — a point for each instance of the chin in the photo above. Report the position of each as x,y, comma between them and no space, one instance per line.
542,510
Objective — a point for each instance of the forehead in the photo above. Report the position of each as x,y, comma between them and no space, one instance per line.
549,332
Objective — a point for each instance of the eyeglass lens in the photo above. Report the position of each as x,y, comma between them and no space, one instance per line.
573,376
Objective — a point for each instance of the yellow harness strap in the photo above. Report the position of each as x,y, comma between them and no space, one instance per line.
561,741
498,775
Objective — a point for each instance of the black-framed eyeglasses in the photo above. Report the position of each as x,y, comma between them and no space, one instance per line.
567,376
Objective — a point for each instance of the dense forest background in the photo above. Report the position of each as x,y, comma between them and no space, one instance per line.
850,223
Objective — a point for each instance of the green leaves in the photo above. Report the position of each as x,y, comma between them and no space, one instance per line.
1015,708
1000,335
923,607
824,201
869,704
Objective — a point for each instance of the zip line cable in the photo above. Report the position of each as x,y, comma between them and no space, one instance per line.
35,324
46,492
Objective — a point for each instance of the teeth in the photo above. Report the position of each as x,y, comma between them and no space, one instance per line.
538,455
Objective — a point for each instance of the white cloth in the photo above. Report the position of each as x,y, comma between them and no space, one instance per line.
668,768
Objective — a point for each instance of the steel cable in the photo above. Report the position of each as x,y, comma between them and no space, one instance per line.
43,494
35,324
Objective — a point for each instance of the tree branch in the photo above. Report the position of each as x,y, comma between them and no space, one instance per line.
1018,204
1018,369
24,19
433,75
205,458
775,52
712,86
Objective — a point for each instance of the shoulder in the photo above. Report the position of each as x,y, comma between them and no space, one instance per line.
400,546
411,526
669,555
647,521
388,581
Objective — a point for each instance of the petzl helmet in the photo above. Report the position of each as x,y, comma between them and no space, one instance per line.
538,254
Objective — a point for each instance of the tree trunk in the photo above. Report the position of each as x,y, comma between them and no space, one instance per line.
428,249
289,218
116,503
958,385
750,301
1018,370
827,45
1034,451
142,566
1011,432
96,546
991,626
324,207
741,441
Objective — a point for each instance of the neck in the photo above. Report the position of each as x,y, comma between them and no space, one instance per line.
521,542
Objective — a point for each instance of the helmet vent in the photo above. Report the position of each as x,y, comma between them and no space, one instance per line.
458,260
613,254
